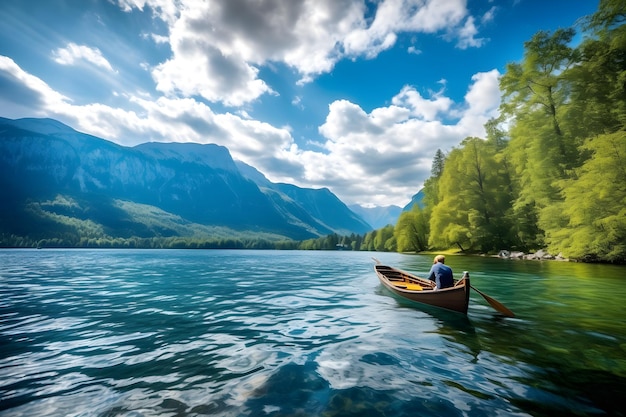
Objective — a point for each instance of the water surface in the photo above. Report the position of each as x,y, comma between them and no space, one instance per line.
302,333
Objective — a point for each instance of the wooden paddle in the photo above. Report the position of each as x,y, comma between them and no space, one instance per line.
495,304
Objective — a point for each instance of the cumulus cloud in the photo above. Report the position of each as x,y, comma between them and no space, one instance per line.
393,147
380,157
423,108
397,16
73,53
164,119
23,93
207,72
483,100
219,46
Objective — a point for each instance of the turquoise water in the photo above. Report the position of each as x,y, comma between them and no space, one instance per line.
302,333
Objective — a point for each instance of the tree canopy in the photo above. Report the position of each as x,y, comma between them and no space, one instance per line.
551,173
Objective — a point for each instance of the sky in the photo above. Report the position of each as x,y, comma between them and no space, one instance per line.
352,95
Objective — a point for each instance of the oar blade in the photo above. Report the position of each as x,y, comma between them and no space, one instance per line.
495,304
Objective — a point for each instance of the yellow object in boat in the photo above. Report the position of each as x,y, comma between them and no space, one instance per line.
408,286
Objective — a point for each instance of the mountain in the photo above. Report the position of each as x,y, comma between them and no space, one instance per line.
416,199
321,203
378,217
59,182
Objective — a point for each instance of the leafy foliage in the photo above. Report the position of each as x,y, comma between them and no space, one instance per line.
552,171
594,209
411,231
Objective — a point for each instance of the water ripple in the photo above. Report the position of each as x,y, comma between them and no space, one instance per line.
142,333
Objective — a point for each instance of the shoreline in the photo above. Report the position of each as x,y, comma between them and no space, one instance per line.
540,255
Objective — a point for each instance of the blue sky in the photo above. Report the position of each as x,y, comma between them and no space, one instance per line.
352,95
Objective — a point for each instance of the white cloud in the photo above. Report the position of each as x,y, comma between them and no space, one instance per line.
210,74
380,157
297,102
219,46
24,94
73,53
483,101
413,50
391,148
424,108
166,10
397,16
489,16
128,5
467,35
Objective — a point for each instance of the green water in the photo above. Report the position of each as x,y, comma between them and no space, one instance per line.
570,325
302,333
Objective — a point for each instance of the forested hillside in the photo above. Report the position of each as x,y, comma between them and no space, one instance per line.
551,172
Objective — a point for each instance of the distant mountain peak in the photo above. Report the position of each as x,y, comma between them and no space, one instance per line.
44,126
378,217
163,188
211,155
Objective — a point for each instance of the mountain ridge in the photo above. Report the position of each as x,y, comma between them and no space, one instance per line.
378,217
43,160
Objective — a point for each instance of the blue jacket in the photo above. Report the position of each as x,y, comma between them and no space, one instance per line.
442,275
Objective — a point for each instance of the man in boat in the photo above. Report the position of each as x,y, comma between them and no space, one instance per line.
441,273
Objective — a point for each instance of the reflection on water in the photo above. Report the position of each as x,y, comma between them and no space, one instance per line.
265,333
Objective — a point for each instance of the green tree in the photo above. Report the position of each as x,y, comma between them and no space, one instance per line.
595,204
331,241
438,163
357,241
384,240
411,230
448,222
586,222
611,14
538,84
431,185
368,241
599,81
474,200
542,151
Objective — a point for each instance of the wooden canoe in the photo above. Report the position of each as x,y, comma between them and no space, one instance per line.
420,290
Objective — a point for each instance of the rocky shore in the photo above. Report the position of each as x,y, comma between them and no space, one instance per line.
540,255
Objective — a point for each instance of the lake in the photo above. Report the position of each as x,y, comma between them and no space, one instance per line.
302,333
